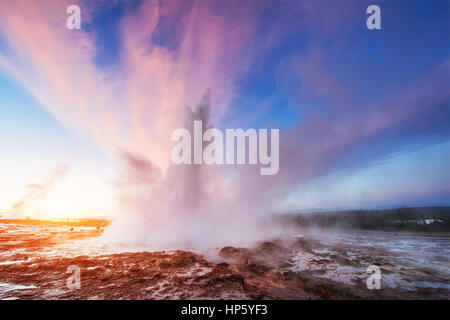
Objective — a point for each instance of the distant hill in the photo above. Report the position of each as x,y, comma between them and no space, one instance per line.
429,219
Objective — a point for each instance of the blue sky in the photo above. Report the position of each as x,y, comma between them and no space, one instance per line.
363,113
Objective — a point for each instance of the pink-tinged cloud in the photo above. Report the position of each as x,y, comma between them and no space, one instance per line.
160,83
137,103
55,65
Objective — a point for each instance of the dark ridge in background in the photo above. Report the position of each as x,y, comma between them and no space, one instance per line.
426,219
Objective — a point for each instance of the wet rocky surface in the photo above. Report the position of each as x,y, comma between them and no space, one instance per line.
34,259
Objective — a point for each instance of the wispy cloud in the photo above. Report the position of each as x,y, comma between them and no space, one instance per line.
34,193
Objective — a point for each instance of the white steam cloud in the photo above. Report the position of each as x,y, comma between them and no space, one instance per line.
188,206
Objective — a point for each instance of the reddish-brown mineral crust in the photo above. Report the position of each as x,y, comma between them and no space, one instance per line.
268,270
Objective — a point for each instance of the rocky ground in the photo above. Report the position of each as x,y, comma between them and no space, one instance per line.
34,258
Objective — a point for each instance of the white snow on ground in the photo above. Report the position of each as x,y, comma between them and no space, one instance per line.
7,287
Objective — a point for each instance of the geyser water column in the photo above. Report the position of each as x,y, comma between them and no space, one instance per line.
187,206
189,183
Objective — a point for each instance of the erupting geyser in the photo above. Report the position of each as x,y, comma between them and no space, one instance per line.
187,205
